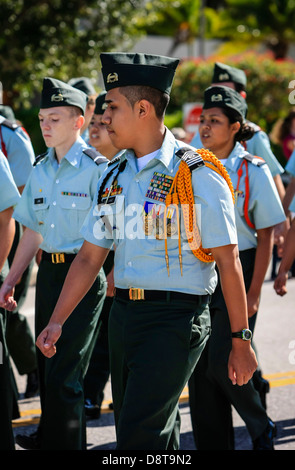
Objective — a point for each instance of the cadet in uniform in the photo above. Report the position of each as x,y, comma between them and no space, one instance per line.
289,200
258,144
84,84
258,209
160,314
17,147
280,284
9,197
54,203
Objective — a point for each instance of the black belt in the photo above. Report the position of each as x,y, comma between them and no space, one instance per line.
141,294
57,258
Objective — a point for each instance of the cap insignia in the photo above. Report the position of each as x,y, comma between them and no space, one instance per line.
215,98
112,77
224,77
58,97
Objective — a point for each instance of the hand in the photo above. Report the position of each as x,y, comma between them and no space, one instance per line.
242,362
47,339
280,284
6,297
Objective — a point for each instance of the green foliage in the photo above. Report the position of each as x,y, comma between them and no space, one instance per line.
267,85
60,39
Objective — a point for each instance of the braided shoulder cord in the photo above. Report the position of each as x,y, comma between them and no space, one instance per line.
181,192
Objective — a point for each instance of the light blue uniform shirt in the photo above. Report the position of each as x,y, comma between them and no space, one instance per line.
20,153
290,168
140,256
259,146
57,198
9,192
265,207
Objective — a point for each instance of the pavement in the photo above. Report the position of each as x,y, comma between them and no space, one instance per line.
275,343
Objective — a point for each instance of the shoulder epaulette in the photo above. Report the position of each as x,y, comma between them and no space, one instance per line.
114,160
257,161
191,157
11,125
95,156
39,158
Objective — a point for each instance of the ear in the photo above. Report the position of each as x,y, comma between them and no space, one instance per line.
236,126
144,108
79,122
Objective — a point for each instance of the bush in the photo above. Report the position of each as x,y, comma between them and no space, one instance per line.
267,85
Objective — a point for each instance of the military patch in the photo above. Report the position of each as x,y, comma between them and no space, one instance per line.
68,193
239,193
109,194
159,186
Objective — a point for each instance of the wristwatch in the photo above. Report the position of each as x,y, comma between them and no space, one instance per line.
244,334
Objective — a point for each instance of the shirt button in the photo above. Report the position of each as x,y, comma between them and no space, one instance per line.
129,263
73,205
52,225
54,203
57,181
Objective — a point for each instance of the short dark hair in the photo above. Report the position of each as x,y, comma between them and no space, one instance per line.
156,97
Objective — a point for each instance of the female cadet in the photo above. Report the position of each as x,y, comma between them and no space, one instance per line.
55,201
258,209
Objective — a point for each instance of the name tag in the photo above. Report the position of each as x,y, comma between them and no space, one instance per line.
39,200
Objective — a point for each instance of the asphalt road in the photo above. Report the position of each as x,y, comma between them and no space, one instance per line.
275,342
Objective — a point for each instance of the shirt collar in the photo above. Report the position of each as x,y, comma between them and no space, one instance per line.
164,155
235,157
73,156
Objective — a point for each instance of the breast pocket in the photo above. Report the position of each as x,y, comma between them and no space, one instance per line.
74,210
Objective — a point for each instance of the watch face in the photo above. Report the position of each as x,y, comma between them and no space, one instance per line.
247,334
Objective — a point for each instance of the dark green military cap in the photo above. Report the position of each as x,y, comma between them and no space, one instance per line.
128,69
225,97
7,112
225,73
100,104
83,84
57,93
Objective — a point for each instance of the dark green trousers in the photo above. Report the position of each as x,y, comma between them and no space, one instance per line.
7,392
99,366
211,393
62,425
154,347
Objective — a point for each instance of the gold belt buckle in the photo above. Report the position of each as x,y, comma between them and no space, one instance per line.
136,294
57,258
